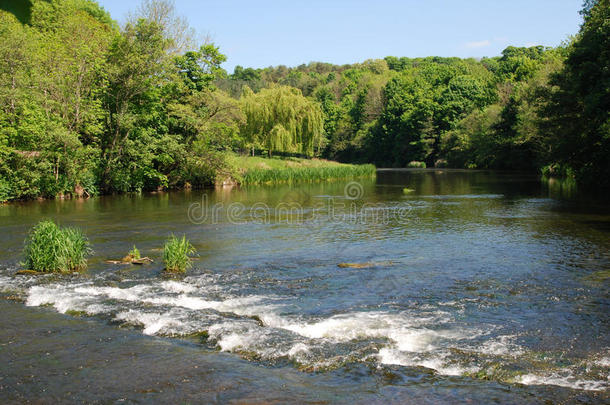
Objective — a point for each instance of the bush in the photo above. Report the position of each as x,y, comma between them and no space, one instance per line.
50,249
416,164
441,163
5,190
557,170
176,254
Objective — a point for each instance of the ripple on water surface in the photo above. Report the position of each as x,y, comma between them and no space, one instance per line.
266,328
476,277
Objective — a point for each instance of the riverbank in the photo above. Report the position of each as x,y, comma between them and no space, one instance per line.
238,169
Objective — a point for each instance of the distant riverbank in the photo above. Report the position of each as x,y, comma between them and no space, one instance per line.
247,170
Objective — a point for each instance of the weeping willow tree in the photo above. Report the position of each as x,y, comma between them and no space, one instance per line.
281,119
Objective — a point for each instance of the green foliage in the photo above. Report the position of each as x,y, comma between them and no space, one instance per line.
45,117
50,248
199,68
282,120
578,125
88,108
176,254
5,190
20,9
135,253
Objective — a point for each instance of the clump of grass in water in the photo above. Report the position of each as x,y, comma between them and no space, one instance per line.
176,254
135,253
51,249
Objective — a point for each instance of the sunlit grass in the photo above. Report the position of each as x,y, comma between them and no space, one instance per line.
176,254
304,174
261,170
50,248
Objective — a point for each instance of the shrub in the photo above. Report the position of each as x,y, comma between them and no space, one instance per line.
557,170
5,190
50,248
176,254
416,164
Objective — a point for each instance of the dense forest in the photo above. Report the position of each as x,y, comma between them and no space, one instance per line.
88,106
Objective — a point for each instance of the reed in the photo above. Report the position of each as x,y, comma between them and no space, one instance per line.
176,254
135,253
52,249
306,174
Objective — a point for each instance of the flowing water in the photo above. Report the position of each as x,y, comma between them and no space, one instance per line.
453,286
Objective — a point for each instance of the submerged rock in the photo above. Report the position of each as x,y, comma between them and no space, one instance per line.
142,260
356,265
129,259
365,265
598,276
116,262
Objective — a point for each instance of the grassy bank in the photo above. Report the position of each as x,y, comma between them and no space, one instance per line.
259,170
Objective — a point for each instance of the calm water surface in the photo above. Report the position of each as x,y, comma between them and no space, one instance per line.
475,286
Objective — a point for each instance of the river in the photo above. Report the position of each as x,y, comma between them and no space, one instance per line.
419,286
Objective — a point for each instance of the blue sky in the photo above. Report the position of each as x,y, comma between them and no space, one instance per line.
264,32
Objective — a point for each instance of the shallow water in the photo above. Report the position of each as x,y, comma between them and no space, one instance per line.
476,285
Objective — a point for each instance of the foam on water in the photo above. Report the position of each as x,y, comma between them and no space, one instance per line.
566,379
177,287
261,324
603,362
64,299
152,323
438,361
404,329
501,346
234,335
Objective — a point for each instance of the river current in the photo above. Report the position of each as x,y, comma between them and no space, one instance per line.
417,286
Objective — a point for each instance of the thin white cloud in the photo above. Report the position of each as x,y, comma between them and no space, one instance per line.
477,44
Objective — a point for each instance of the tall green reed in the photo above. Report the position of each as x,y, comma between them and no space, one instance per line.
50,248
176,254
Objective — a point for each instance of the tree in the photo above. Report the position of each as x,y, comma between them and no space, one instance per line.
136,62
399,137
281,119
578,114
16,62
200,68
175,28
73,62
